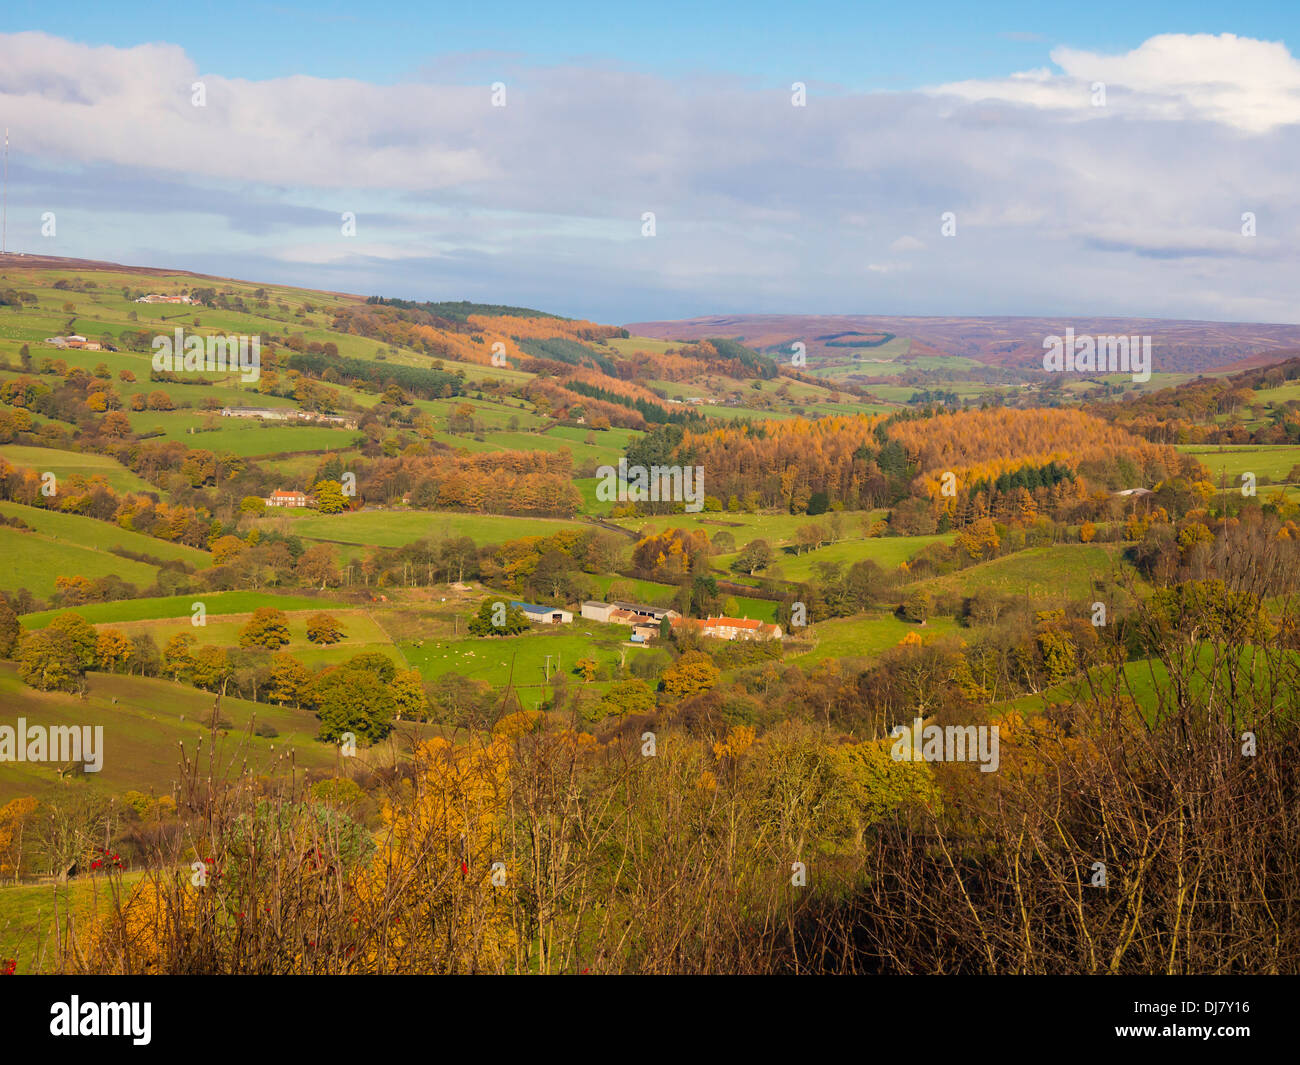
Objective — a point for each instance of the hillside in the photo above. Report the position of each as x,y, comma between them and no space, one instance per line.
857,344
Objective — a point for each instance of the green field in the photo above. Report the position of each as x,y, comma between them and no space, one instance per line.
864,637
69,463
245,437
1060,573
181,606
144,720
31,913
33,561
776,529
393,528
361,633
76,531
886,551
491,658
1230,461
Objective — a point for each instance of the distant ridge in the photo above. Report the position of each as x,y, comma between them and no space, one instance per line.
1179,345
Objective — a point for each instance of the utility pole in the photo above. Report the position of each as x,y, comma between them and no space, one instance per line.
4,210
548,669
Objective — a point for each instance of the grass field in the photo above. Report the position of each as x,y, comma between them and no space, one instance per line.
245,437
491,658
74,530
392,528
886,551
1230,461
1061,573
181,606
67,463
144,720
776,529
361,633
33,561
866,637
1147,682
32,914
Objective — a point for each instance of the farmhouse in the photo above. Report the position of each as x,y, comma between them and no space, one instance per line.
280,498
289,414
155,298
724,628
544,615
74,341
273,414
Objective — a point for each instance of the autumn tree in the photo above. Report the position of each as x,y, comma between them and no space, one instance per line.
17,822
329,497
9,630
78,635
980,539
267,628
754,556
212,668
290,680
355,701
113,648
691,673
632,696
324,628
318,565
177,657
496,617
48,663
407,690
917,606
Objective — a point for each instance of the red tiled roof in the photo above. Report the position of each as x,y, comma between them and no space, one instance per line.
722,623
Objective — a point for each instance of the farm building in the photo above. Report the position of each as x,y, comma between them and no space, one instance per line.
593,610
626,613
544,615
724,628
653,613
289,414
74,341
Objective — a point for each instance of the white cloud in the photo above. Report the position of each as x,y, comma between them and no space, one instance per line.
1061,207
907,243
1249,84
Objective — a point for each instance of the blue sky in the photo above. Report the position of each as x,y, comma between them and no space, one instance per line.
857,45
986,111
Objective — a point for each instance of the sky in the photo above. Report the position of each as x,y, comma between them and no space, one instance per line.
949,159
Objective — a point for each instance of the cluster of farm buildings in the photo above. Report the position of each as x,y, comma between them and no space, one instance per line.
77,342
645,621
289,414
